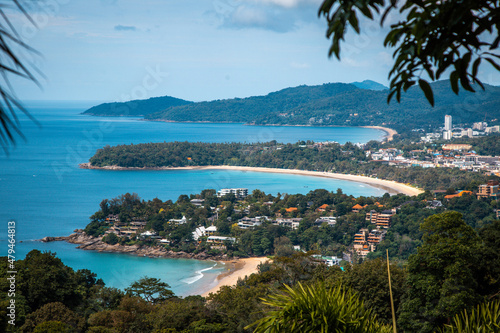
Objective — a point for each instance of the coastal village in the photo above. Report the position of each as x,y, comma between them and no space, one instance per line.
437,152
234,223
225,223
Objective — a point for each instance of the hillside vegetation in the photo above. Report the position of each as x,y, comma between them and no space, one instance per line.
329,104
136,107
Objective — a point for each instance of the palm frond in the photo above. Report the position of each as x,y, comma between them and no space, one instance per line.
12,64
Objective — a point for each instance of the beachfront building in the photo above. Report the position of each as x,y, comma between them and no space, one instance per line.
199,232
220,240
239,193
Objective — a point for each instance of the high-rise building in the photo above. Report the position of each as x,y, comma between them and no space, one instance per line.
447,123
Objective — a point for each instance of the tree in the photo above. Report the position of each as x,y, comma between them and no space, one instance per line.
371,282
49,313
434,37
443,275
317,309
150,289
111,239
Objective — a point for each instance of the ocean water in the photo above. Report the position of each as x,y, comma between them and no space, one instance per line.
45,192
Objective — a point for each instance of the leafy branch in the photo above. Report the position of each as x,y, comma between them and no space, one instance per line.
435,37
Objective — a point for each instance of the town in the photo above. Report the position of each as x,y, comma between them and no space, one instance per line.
234,223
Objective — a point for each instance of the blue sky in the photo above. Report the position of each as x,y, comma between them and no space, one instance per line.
116,50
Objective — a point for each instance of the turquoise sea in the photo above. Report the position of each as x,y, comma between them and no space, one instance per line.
45,192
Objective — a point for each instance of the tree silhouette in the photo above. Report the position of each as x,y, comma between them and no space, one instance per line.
12,63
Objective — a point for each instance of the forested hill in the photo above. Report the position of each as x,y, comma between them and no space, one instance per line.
301,155
136,107
336,104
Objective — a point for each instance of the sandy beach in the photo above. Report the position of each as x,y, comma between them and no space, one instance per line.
390,132
240,268
390,186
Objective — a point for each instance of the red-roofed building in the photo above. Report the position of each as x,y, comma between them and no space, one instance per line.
322,208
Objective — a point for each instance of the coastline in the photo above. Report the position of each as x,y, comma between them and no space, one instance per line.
388,185
236,268
239,269
390,132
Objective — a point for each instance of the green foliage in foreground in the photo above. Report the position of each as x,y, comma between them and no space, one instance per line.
449,272
483,318
353,300
318,309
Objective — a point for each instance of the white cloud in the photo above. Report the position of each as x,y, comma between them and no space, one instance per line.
246,16
274,15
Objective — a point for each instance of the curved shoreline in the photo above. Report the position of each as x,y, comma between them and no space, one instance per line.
390,132
240,268
388,185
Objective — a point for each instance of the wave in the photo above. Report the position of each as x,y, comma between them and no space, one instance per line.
198,276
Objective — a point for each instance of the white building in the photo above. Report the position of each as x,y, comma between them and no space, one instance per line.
239,193
251,222
330,220
492,129
447,123
178,221
447,135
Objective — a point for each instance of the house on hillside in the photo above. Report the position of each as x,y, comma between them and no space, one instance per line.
356,208
322,208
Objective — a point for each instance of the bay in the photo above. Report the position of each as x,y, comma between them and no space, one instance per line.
45,192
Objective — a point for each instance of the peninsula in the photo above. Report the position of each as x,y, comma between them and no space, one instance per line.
329,104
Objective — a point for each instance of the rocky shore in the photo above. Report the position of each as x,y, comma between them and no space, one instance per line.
96,244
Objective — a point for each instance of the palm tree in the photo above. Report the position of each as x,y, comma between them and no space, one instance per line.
11,63
318,309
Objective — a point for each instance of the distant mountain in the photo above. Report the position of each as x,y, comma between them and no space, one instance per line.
330,104
247,110
136,107
370,85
